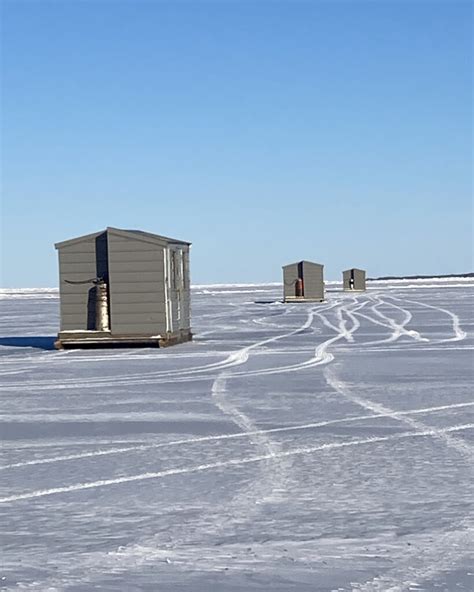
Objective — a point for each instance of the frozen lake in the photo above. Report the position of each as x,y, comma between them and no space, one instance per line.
301,447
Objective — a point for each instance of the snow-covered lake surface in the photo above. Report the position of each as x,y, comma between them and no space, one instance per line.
301,447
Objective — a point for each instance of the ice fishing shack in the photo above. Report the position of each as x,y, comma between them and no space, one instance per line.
353,280
123,287
303,282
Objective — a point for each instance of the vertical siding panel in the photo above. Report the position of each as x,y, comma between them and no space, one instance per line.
313,277
125,283
346,279
290,275
75,297
359,279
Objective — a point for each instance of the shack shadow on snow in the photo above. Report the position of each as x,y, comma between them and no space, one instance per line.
38,341
279,300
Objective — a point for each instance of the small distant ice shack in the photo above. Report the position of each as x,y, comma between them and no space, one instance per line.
303,282
353,280
123,288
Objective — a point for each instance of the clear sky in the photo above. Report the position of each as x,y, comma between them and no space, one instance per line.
264,132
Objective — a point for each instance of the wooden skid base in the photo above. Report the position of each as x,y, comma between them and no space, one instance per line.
293,299
106,339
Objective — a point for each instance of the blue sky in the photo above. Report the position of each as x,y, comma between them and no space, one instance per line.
264,132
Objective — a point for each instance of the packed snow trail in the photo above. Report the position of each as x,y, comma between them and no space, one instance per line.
230,463
236,358
344,389
273,478
398,329
223,437
459,333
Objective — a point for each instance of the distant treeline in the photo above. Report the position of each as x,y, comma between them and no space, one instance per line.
421,277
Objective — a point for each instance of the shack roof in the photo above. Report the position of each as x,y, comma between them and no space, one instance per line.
303,261
136,234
